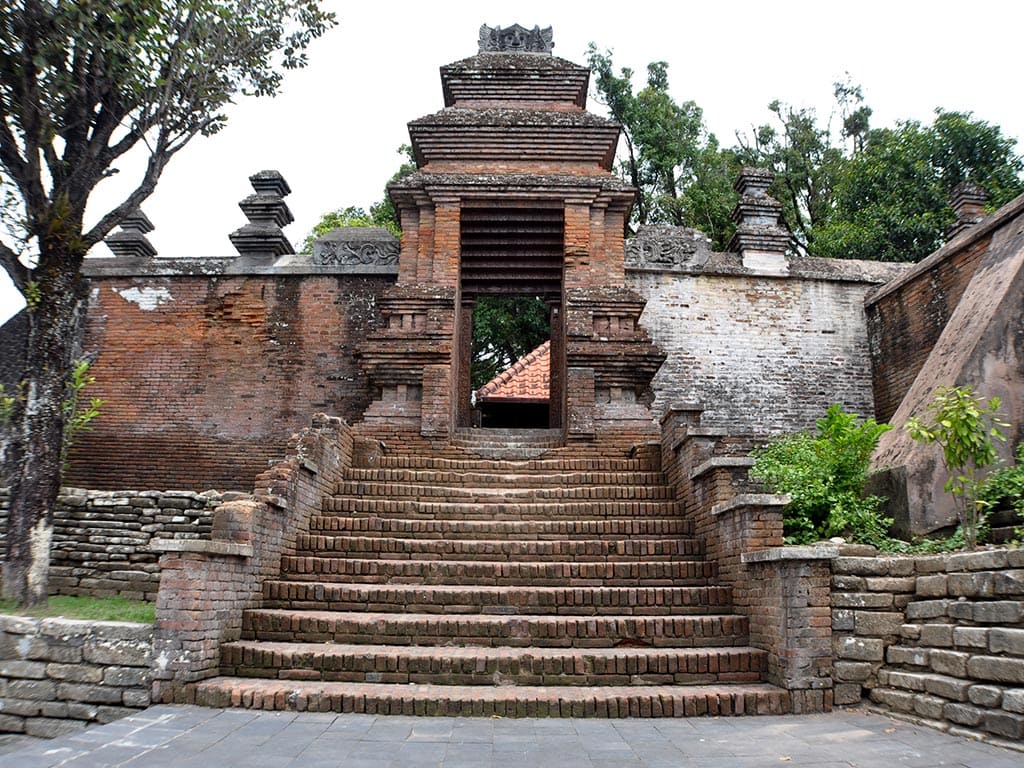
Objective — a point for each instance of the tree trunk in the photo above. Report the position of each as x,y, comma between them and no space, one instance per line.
55,323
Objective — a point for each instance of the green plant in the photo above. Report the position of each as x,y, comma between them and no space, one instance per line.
78,413
964,425
824,475
89,608
1004,487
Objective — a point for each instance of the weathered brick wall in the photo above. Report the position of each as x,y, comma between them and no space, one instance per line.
101,539
203,377
938,638
59,675
762,354
205,585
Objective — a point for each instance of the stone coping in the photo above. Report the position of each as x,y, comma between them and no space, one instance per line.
228,548
721,461
791,553
746,500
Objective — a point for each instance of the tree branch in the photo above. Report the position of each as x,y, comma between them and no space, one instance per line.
19,273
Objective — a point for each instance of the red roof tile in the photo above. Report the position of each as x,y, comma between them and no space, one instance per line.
526,381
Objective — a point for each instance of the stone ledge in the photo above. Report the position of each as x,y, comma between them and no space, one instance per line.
228,548
747,500
721,461
792,553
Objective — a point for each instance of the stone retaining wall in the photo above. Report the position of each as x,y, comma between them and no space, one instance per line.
938,638
60,675
101,539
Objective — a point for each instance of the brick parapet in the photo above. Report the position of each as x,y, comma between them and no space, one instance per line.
204,589
59,675
101,539
938,639
784,592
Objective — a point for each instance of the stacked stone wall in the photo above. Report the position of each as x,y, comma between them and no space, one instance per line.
939,639
101,539
60,675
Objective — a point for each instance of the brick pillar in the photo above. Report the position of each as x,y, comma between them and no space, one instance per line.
425,245
577,246
463,355
409,255
556,391
580,403
968,202
447,241
436,414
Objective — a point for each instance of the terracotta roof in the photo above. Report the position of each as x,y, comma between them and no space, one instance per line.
525,381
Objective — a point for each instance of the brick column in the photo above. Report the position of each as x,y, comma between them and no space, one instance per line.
447,241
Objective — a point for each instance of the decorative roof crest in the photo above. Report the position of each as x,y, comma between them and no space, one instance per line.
515,39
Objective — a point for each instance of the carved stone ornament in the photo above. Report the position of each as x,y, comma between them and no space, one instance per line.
515,39
665,247
358,247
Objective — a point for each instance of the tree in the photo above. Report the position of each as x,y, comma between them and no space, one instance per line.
505,328
681,175
82,84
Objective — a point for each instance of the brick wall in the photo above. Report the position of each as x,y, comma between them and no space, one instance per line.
760,354
60,675
101,539
204,377
938,639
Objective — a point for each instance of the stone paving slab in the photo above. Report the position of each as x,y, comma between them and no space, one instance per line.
179,736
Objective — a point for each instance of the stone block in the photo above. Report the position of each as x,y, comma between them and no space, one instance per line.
962,714
1013,700
910,631
110,714
974,584
860,566
1015,558
947,687
929,706
27,670
908,681
92,694
847,693
21,707
949,662
878,623
932,586
74,673
33,690
859,649
890,583
136,697
971,637
126,653
853,671
985,695
11,724
1005,724
842,620
999,612
49,728
999,669
930,564
861,600
977,561
899,654
1002,640
126,677
900,701
842,583
926,609
1008,583
937,635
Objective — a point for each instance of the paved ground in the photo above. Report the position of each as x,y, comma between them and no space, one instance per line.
166,736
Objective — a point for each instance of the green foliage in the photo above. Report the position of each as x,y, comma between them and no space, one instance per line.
965,426
681,174
1004,487
824,474
505,328
88,608
78,413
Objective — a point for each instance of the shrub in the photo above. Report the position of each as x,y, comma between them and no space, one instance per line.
1004,487
824,475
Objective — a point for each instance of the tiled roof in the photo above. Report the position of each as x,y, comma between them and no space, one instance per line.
525,381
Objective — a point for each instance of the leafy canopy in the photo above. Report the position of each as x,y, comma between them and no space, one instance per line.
505,328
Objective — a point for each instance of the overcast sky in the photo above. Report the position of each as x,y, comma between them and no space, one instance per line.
334,130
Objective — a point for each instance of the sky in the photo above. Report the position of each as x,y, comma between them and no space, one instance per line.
334,129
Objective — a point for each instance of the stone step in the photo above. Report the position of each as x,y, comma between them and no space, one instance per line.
493,572
574,550
500,701
500,510
510,530
502,600
504,479
509,493
558,464
453,665
276,625
506,434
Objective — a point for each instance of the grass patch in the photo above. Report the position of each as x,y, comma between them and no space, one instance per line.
90,608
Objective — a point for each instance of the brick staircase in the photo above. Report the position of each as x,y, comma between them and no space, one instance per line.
567,584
